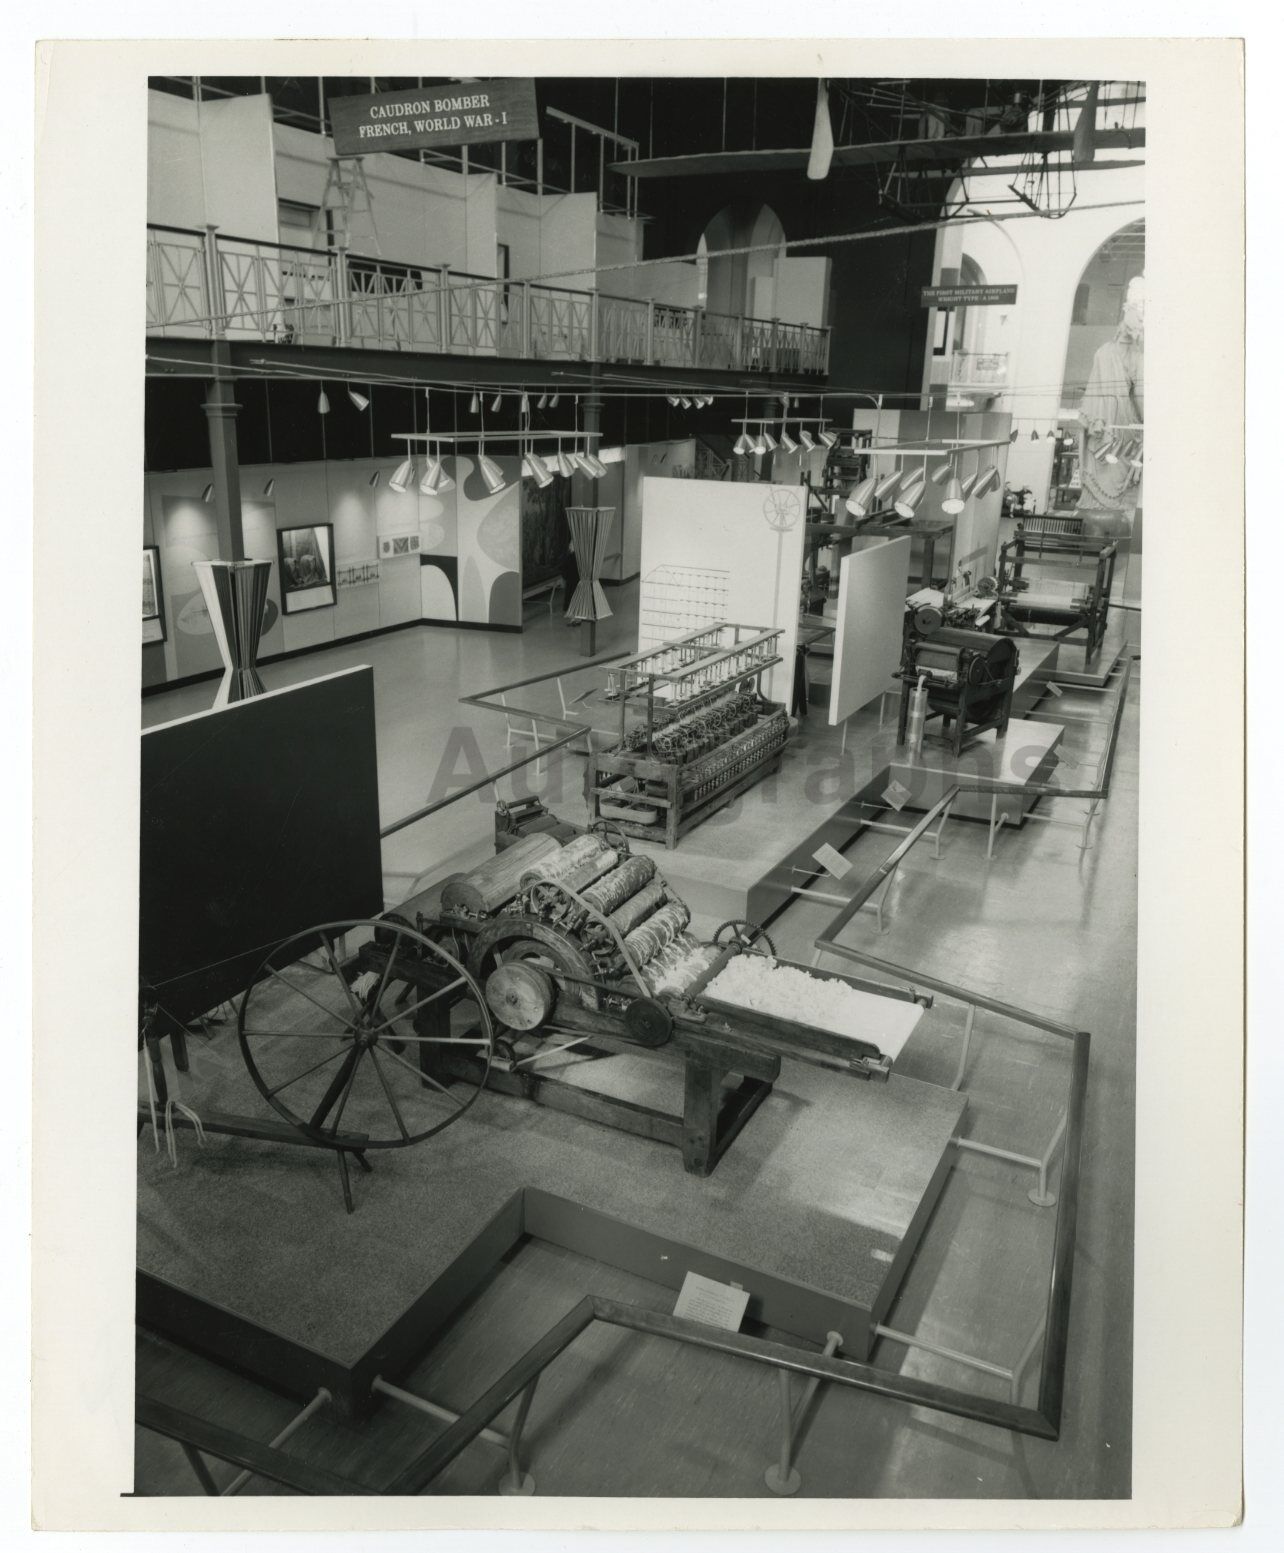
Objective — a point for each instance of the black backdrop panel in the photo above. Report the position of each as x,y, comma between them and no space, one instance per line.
258,821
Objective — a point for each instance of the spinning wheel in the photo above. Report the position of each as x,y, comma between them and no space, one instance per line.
333,1053
746,937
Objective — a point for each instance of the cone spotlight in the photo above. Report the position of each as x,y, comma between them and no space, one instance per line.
207,495
941,473
564,465
526,404
537,469
685,402
1111,451
552,403
270,486
323,404
474,404
989,479
807,441
374,479
768,441
954,499
969,483
495,403
444,481
886,484
593,465
861,501
673,400
542,403
402,476
759,446
743,444
910,497
492,474
787,443
431,475
827,437
360,400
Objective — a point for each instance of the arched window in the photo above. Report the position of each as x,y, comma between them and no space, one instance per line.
1098,304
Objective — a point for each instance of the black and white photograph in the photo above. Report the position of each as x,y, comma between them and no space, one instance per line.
307,579
638,1000
153,598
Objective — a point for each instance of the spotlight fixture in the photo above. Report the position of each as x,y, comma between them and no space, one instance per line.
910,497
474,404
564,465
542,402
431,476
593,465
552,403
806,439
402,476
526,404
941,473
360,400
673,400
827,437
969,483
1034,435
493,476
759,445
954,499
1013,435
743,444
768,441
372,482
787,443
323,404
684,402
207,495
988,482
861,501
886,484
444,481
270,486
496,402
537,469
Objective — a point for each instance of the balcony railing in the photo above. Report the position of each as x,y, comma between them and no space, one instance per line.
202,284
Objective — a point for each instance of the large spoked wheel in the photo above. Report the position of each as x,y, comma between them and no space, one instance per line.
338,1055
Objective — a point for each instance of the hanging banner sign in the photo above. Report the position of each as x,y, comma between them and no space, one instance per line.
457,115
968,296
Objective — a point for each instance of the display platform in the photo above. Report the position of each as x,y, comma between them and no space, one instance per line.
1023,757
245,1251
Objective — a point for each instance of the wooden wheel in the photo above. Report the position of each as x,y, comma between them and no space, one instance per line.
336,1049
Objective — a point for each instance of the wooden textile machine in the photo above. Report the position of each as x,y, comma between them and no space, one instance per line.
577,946
695,731
967,676
1069,606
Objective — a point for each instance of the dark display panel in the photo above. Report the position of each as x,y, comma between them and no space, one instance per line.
258,820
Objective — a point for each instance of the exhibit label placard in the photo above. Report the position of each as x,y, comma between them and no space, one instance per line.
463,113
968,296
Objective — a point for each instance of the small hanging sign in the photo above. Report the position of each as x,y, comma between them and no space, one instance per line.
968,296
461,113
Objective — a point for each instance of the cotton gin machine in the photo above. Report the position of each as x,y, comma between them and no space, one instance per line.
559,951
965,677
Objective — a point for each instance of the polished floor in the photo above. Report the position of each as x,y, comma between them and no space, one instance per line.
1042,924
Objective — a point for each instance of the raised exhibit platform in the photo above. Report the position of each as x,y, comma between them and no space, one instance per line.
245,1252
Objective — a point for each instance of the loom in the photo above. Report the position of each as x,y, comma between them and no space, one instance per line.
967,676
1024,601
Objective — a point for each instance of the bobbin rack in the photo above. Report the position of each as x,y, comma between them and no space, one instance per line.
695,730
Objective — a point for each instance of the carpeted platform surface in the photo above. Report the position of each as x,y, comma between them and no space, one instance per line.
819,1189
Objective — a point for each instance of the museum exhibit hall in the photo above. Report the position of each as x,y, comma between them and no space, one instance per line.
638,777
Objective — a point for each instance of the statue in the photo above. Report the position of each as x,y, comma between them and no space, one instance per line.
1114,396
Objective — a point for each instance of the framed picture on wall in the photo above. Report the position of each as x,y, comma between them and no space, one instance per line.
153,598
307,567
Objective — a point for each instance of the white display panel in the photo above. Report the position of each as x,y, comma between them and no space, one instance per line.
751,534
867,638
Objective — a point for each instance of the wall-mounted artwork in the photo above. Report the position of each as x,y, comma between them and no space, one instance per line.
307,567
393,545
153,598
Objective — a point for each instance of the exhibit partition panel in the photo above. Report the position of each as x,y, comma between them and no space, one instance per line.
867,639
748,538
258,820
